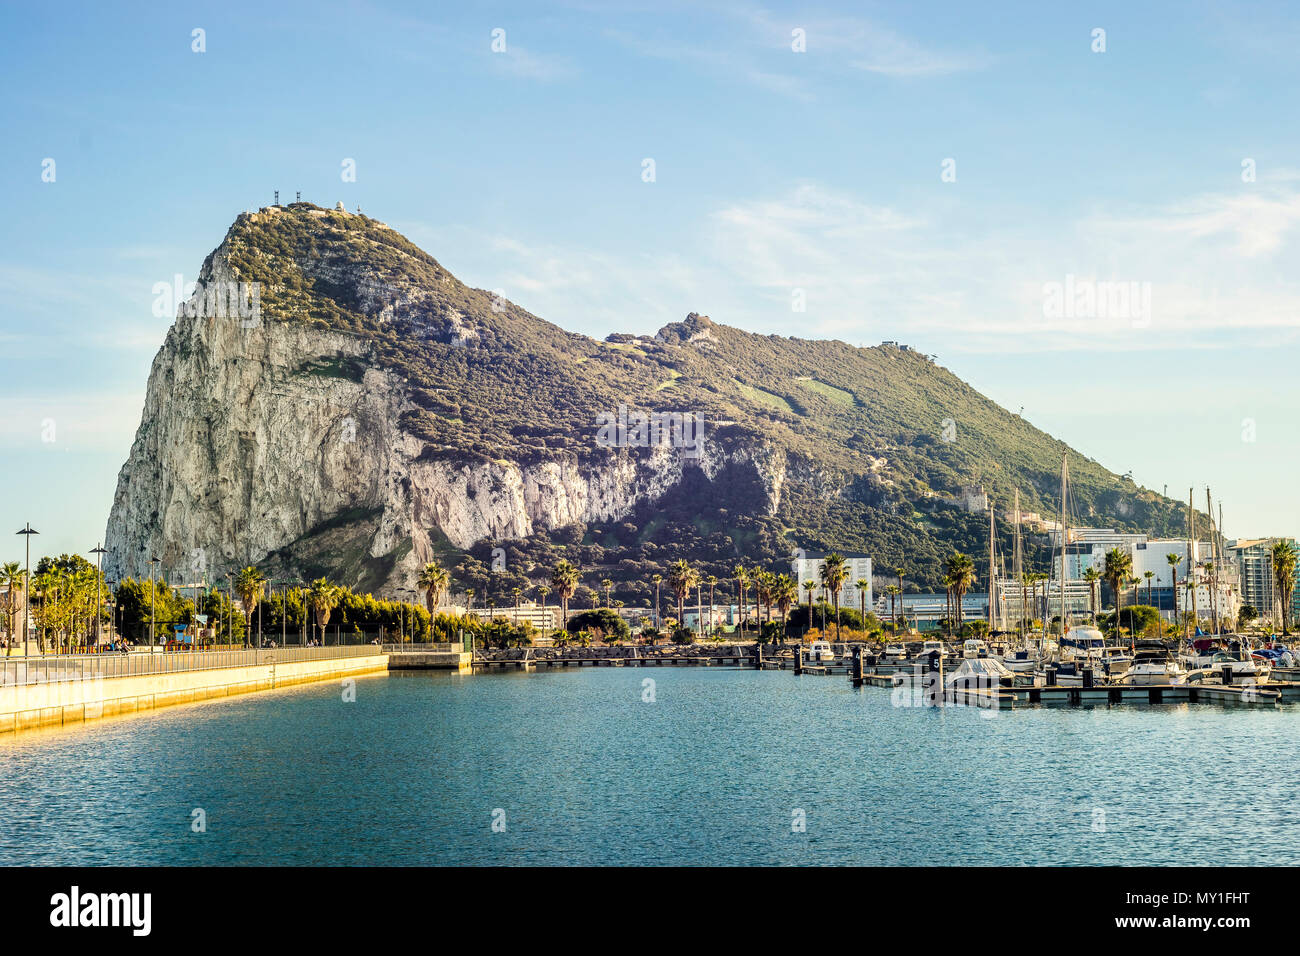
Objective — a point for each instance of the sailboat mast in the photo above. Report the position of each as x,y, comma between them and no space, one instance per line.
993,578
1065,536
1018,570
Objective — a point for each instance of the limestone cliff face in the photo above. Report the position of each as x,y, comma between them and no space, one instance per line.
265,436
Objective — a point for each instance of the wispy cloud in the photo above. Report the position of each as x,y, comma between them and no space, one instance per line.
544,67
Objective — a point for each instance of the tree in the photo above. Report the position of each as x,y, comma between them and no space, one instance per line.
322,598
892,591
1093,577
742,584
433,581
1284,564
606,584
961,575
1172,560
543,590
657,580
681,578
11,575
712,582
565,581
834,572
250,585
1116,567
862,584
786,593
603,621
1246,615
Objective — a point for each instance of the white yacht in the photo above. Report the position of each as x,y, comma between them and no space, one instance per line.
820,653
1148,669
974,648
895,653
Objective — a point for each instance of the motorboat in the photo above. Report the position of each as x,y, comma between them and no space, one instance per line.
929,648
1148,669
1020,661
974,648
895,653
1209,669
820,653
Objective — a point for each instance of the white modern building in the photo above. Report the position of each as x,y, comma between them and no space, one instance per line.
808,567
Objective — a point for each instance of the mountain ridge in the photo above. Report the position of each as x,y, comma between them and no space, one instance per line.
474,423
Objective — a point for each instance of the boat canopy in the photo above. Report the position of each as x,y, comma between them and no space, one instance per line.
1085,636
987,671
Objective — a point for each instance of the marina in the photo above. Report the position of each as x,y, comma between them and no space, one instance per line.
585,770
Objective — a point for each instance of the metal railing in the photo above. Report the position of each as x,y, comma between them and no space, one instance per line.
53,668
426,648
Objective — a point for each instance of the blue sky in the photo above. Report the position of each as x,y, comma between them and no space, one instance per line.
775,170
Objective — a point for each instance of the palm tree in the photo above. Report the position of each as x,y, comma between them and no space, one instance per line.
712,582
1093,577
250,585
565,581
433,581
1173,560
322,598
607,584
1116,568
1284,564
893,593
11,575
742,585
785,592
862,584
961,571
681,578
656,580
543,590
834,572
469,600
1149,575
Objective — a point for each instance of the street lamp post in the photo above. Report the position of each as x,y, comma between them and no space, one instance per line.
27,585
100,551
153,601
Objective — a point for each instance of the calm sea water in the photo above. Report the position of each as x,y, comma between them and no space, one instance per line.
715,771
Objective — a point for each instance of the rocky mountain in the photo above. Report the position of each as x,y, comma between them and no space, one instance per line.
354,410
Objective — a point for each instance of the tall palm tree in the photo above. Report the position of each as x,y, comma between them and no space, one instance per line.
607,584
893,592
433,581
565,581
1284,564
11,575
742,585
322,598
785,591
1116,568
681,578
1093,577
712,582
543,590
834,572
657,580
961,571
1173,560
1149,575
250,585
862,584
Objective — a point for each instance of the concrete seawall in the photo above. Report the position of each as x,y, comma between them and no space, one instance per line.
90,697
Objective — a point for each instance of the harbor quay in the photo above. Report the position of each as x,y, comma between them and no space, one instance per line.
55,690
